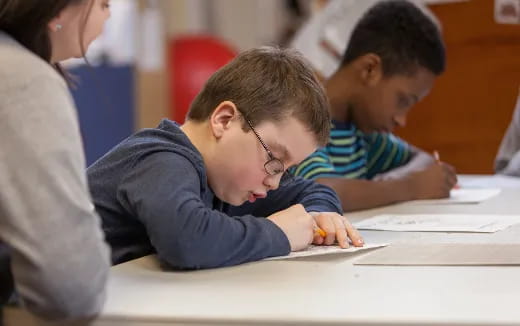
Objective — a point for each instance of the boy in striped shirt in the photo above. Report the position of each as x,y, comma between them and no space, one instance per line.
394,54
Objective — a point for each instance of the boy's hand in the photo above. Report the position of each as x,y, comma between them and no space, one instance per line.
337,227
297,224
435,181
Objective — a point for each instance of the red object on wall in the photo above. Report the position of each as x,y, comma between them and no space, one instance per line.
193,59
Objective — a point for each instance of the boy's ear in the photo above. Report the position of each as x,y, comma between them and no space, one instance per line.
371,69
222,118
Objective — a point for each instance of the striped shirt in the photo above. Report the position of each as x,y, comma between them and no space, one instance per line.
352,154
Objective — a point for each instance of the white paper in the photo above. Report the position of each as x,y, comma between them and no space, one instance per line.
490,181
326,250
463,196
484,223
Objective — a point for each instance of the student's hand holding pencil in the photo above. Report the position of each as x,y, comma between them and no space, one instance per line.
297,224
321,228
331,227
435,181
437,158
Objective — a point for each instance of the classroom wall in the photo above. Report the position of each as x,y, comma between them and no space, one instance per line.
469,109
151,83
241,24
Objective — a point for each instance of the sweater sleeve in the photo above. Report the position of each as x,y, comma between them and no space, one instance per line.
59,260
313,196
164,191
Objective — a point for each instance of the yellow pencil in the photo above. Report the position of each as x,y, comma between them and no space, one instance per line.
438,160
320,232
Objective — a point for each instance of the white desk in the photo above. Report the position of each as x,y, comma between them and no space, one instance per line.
328,290
491,181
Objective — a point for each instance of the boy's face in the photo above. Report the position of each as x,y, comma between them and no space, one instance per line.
382,104
236,170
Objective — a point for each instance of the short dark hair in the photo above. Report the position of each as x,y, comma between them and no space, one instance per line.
402,35
267,84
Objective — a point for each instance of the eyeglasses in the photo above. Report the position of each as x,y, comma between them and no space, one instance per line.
273,166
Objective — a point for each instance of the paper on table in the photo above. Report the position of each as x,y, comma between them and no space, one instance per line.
439,222
452,254
462,196
326,250
490,181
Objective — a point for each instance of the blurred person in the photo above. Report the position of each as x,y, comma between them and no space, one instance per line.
54,261
394,54
508,158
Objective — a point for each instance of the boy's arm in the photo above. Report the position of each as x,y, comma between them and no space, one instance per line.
389,157
163,191
316,198
419,160
354,194
436,181
357,194
313,196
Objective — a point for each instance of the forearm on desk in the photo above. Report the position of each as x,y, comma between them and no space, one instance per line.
419,161
357,194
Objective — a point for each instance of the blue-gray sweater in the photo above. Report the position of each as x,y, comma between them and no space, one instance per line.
153,196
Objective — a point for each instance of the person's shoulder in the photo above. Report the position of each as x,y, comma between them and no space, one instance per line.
168,140
20,67
167,135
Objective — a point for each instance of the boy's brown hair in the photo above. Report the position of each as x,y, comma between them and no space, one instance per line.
267,84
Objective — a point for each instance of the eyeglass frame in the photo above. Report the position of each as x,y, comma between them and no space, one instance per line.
286,177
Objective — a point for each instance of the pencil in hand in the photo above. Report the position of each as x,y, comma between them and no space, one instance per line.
319,232
438,160
437,157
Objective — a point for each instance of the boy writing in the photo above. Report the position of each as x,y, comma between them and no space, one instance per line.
180,190
394,54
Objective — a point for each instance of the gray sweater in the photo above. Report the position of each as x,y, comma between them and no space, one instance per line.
48,225
508,157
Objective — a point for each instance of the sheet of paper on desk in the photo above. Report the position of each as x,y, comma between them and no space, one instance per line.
462,196
326,250
439,222
449,254
490,181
